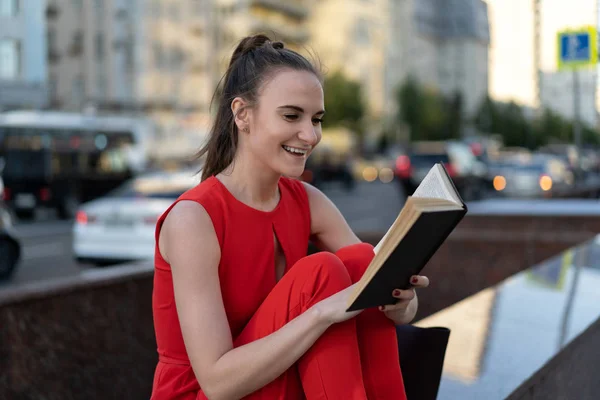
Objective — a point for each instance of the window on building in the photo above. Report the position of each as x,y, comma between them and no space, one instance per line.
53,88
101,83
10,59
9,8
99,6
77,91
99,45
159,55
129,56
76,45
53,55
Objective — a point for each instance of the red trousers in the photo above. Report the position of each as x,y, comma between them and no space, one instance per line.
356,359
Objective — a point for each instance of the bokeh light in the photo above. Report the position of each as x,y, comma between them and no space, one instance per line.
499,183
369,174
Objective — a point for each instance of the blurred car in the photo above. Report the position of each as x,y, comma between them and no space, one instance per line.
324,166
467,173
10,247
119,227
539,177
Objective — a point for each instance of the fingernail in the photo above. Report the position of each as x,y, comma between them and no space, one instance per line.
414,280
396,292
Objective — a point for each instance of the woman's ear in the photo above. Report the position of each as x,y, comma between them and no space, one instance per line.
239,107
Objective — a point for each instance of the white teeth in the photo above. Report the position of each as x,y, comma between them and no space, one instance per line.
293,150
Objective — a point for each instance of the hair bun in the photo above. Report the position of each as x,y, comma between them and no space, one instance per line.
250,43
253,42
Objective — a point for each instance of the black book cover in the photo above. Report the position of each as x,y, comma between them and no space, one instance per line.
410,256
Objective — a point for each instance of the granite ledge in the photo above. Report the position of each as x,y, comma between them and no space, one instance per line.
87,279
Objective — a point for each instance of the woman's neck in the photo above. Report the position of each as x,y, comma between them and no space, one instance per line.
251,182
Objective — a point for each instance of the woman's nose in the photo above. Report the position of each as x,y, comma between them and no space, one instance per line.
309,135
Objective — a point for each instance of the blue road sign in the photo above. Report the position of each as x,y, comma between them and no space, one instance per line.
577,48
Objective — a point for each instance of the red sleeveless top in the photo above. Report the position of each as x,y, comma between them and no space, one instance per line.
246,268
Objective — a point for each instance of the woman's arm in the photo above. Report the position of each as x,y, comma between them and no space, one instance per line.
222,371
329,229
331,232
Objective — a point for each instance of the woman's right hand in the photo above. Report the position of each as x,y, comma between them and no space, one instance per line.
333,308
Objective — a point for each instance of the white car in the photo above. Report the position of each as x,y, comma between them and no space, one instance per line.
120,226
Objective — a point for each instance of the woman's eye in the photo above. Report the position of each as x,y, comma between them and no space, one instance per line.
291,117
317,120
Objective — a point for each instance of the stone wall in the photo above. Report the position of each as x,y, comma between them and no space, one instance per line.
92,341
92,336
572,374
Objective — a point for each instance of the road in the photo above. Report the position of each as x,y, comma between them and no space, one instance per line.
47,242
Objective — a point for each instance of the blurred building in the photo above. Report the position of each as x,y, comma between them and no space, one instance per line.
512,51
443,44
22,54
131,56
558,94
352,36
234,19
523,54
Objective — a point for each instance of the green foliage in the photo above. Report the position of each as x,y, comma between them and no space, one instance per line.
344,103
508,120
429,115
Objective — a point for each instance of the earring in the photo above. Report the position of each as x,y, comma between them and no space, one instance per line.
246,129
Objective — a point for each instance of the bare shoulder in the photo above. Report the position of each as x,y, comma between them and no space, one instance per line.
319,202
328,225
187,226
316,196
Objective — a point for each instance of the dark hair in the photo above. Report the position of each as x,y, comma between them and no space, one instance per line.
254,60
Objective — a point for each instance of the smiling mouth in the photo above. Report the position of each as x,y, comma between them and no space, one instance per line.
294,151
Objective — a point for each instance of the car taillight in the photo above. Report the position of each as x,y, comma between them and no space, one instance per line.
6,195
83,218
45,194
450,169
476,149
403,167
545,182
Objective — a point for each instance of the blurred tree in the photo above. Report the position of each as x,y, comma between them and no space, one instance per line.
410,106
455,114
509,121
550,127
344,103
486,117
433,115
429,115
590,136
513,126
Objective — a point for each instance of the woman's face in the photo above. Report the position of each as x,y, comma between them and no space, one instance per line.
285,124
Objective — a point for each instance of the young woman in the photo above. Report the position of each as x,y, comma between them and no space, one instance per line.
240,311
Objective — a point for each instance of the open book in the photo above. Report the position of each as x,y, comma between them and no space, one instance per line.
426,220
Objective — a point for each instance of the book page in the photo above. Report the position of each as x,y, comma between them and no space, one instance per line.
376,249
434,186
390,229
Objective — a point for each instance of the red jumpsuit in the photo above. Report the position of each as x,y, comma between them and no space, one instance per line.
356,359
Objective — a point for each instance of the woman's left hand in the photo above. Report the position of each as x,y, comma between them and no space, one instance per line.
405,309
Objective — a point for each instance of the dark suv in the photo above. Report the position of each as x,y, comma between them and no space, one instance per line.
467,173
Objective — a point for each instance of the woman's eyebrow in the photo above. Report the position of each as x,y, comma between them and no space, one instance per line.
300,109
